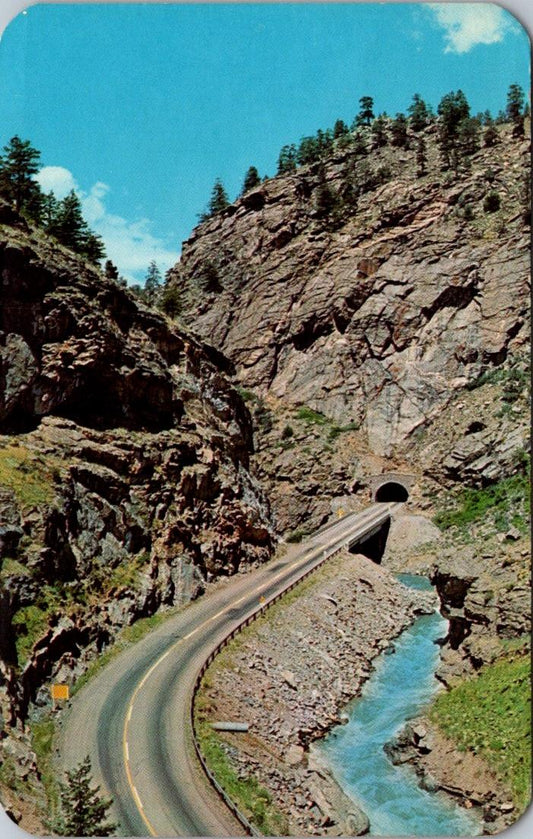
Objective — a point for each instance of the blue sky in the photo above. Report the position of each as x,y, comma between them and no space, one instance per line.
141,107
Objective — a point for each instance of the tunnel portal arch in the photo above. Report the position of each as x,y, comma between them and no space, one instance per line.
390,486
392,491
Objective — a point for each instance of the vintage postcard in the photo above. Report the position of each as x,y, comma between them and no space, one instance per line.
264,419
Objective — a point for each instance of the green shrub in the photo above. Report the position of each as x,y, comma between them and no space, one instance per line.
42,743
335,430
502,500
30,477
12,567
246,395
312,417
30,624
170,302
492,202
296,536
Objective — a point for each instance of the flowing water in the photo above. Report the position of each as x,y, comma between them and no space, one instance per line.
399,687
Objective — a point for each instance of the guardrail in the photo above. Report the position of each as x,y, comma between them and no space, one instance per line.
326,554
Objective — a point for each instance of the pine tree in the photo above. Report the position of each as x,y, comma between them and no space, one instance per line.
50,208
152,283
490,137
468,135
251,180
308,151
93,248
398,131
379,133
69,227
515,109
453,111
219,198
453,108
111,270
287,159
18,164
419,113
340,129
366,112
170,302
34,205
324,141
83,809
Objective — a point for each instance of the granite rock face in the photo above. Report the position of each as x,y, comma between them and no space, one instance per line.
378,318
124,455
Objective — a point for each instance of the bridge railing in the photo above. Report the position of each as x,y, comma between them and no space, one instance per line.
239,815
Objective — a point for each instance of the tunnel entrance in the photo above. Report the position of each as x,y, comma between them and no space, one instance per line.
374,547
392,491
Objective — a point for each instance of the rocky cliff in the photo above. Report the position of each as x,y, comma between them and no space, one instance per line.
124,454
376,320
379,308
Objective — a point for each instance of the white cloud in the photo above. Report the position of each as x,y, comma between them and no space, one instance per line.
56,179
467,25
131,245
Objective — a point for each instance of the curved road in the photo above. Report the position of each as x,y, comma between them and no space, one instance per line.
133,719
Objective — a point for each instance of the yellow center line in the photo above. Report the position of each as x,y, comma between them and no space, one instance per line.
142,682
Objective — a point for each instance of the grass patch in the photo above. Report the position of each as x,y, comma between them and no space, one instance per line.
336,430
506,502
311,417
8,775
29,476
71,598
12,567
31,623
127,574
513,379
43,734
491,716
246,395
253,801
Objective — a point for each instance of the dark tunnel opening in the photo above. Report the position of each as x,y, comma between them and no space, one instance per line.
374,547
392,491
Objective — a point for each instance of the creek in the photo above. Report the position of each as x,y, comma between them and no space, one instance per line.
400,686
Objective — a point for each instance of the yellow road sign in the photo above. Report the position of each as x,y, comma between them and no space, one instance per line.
59,691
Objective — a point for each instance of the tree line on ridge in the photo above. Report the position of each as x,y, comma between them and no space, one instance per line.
459,134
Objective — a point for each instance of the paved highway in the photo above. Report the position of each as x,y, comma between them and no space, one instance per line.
133,719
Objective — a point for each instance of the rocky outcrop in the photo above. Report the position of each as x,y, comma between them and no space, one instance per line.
486,599
379,316
124,462
462,775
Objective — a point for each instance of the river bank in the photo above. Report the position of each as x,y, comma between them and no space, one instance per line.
290,676
439,766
